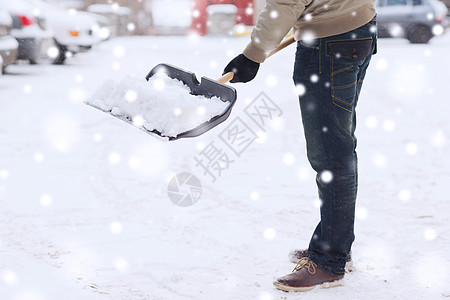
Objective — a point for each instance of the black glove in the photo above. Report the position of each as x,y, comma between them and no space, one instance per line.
243,68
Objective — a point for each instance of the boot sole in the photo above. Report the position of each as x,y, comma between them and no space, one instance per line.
324,285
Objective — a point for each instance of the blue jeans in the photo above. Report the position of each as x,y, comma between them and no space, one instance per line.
331,71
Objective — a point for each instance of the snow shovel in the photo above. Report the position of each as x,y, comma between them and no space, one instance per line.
208,88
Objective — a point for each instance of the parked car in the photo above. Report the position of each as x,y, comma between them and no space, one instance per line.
75,31
416,20
447,4
8,44
118,17
36,41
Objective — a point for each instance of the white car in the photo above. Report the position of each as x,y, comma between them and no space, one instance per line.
8,44
35,40
75,31
416,20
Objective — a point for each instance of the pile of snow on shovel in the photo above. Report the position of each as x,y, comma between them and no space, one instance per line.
161,103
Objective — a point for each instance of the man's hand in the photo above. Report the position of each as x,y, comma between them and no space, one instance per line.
243,68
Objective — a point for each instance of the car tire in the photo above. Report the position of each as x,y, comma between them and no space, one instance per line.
61,58
419,34
43,58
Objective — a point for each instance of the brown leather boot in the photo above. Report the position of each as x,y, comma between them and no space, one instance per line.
296,255
307,276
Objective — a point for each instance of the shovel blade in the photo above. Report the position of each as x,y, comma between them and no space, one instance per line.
206,87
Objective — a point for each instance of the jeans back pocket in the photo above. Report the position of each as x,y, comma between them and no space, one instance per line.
346,57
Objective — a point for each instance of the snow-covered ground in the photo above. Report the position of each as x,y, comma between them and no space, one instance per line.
84,204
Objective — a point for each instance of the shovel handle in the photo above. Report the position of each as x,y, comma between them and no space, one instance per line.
225,78
229,76
282,45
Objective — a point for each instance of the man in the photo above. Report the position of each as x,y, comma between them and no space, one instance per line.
336,39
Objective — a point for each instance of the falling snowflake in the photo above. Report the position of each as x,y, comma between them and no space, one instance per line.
317,203
98,137
138,121
104,33
46,200
300,89
38,157
254,195
277,123
134,162
195,13
361,213
121,264
159,84
77,95
262,137
118,51
271,81
131,95
379,160
79,78
114,158
430,234
395,30
53,52
438,139
274,14
288,159
153,158
381,64
213,64
9,277
177,111
326,176
4,174
404,195
269,233
201,110
308,36
115,227
265,296
411,148
200,146
304,173
314,78
389,125
131,27
62,131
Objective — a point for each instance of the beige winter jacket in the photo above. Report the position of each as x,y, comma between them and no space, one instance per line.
309,19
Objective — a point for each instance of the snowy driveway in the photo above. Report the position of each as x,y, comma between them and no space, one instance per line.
84,207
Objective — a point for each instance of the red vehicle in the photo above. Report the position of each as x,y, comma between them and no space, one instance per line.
244,14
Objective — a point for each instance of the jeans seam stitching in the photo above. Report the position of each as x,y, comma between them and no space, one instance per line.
333,87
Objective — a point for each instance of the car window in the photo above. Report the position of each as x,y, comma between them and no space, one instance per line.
417,2
396,2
